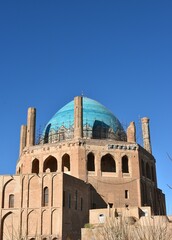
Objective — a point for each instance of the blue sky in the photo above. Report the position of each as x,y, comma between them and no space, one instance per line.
118,52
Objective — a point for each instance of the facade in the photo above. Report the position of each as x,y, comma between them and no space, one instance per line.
83,160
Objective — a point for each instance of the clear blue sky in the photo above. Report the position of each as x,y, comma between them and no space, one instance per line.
118,52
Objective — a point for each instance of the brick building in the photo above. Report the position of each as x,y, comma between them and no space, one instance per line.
83,160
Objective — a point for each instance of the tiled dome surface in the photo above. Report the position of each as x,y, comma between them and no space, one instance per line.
98,121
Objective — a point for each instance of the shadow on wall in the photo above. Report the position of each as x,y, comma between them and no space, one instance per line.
96,199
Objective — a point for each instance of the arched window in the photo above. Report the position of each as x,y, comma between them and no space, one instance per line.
143,167
90,162
108,164
148,173
11,200
65,163
35,166
126,194
51,164
45,196
125,168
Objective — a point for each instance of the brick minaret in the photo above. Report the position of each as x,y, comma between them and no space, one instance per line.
78,117
146,134
23,133
31,120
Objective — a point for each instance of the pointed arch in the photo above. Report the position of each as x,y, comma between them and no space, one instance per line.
90,162
125,166
51,164
44,225
3,225
32,222
3,191
33,187
35,166
55,222
108,163
66,163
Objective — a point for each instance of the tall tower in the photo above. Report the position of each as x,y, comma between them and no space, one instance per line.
146,134
23,134
78,117
31,119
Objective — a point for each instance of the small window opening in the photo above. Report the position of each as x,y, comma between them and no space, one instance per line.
11,200
125,168
126,194
45,197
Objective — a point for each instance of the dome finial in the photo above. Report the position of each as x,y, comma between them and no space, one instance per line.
82,93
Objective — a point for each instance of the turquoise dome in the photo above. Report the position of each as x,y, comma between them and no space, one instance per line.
98,123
